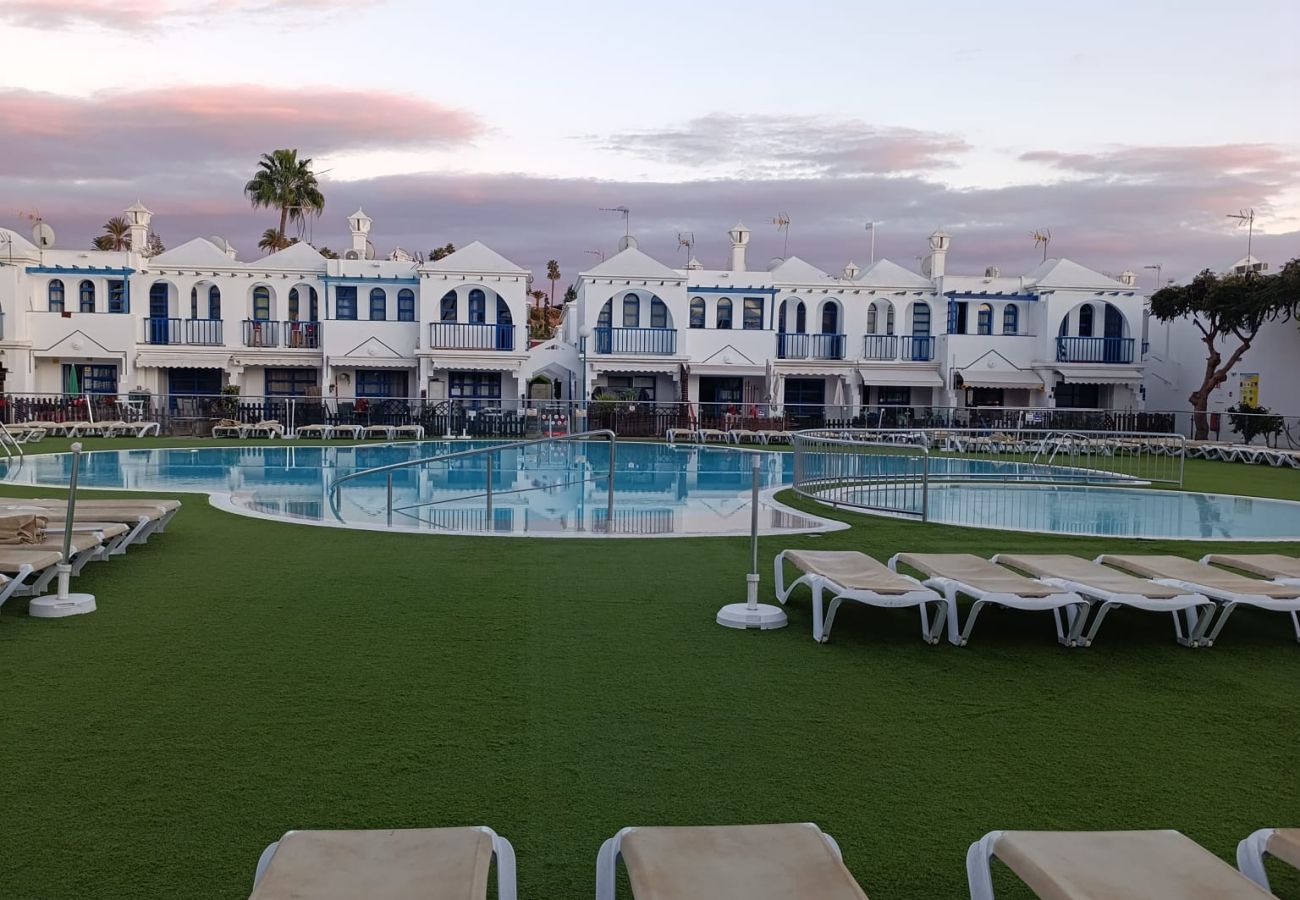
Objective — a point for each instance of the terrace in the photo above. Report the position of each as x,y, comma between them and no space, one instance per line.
242,679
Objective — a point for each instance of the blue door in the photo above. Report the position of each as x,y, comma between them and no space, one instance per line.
1113,329
158,314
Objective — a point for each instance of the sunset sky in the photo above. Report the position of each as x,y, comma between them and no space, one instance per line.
1128,129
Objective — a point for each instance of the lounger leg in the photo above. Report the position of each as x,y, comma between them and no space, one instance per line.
1219,622
940,617
819,628
1295,623
1198,622
830,613
950,601
970,619
607,867
1101,614
778,579
1250,856
978,873
505,853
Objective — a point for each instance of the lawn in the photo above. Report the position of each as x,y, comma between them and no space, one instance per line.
243,677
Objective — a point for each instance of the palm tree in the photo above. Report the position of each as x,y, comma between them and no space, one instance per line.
553,274
272,240
287,183
116,236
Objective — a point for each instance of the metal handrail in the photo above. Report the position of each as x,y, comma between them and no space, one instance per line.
7,438
605,433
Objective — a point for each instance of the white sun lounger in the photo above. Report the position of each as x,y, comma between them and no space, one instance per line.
1282,843
312,431
851,575
686,434
228,428
21,561
411,431
140,521
1230,589
267,428
984,582
1275,566
704,435
435,863
738,435
741,862
349,431
1114,588
384,432
1107,865
773,436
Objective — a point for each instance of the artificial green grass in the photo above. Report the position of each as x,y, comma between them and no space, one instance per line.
243,677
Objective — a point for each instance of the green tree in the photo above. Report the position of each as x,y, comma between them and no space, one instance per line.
1224,308
327,253
1252,421
552,275
287,183
570,294
154,245
438,253
272,240
116,236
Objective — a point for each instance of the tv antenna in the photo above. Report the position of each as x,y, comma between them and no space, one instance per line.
686,240
1042,236
1158,268
1246,217
627,217
782,223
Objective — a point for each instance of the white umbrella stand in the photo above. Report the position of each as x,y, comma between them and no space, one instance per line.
63,603
751,613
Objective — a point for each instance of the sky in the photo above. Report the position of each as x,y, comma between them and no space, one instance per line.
1129,130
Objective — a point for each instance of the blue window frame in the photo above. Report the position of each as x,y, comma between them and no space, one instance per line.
194,302
406,305
697,312
378,305
830,318
117,297
724,314
1011,319
447,307
753,314
381,383
984,319
91,379
631,311
159,308
294,305
56,295
214,302
1085,320
87,296
477,307
920,318
345,302
658,313
474,389
956,317
261,303
605,319
503,313
294,382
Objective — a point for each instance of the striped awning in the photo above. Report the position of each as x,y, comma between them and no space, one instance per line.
636,366
1021,379
725,370
372,362
272,361
155,359
896,377
1101,375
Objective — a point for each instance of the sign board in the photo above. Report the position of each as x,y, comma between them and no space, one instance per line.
1250,388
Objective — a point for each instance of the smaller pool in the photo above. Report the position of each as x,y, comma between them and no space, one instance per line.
1115,512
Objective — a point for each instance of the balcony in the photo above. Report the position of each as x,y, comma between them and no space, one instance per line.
809,346
661,341
195,332
1094,350
294,335
880,346
301,335
261,333
466,336
917,347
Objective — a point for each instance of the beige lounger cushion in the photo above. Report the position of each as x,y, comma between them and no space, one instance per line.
1285,845
86,503
853,570
22,528
14,558
1121,865
743,862
1183,569
406,864
976,572
1270,565
1087,572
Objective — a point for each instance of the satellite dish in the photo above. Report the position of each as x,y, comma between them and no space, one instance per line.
627,241
351,254
370,250
43,235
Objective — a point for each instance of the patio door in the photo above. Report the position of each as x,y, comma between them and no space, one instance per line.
158,310
1113,325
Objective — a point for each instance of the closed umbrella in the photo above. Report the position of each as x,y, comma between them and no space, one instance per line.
73,386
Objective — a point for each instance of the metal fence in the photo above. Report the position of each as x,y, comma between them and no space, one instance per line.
893,471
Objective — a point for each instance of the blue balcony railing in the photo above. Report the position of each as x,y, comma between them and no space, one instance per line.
880,346
636,340
161,330
809,346
918,347
261,333
471,336
1094,350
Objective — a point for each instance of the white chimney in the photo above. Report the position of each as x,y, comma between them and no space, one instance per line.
739,240
359,222
939,242
1128,278
139,218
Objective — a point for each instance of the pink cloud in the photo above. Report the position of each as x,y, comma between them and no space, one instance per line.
131,15
116,134
1258,160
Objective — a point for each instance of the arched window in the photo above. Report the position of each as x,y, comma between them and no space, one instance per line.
214,303
889,319
697,312
261,303
785,316
724,313
87,292
194,302
406,306
1011,319
477,307
920,318
378,305
1085,320
293,305
800,317
830,317
158,305
503,312
606,315
984,319
631,311
871,319
658,313
447,307
56,295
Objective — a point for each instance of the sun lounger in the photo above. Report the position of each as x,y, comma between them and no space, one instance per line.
1282,843
773,436
851,575
312,431
228,428
411,431
140,521
686,434
86,547
349,431
984,582
21,567
704,435
742,862
267,428
1114,588
383,432
401,864
1107,865
743,435
159,512
1279,568
1228,588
